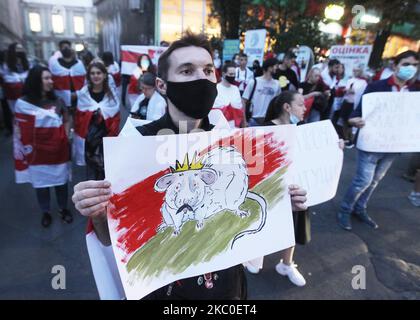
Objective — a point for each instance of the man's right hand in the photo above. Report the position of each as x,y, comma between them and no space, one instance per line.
91,197
357,122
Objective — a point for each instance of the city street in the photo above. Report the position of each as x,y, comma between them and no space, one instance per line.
390,254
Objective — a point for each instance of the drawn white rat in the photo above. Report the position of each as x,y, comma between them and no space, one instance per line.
199,190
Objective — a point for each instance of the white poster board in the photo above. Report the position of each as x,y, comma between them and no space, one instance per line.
255,45
318,161
153,246
351,56
392,122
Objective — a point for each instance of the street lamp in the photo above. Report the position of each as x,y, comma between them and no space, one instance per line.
334,12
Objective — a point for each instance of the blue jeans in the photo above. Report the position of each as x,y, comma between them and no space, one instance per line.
371,168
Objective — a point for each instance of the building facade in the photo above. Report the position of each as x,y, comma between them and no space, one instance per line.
11,24
47,22
149,22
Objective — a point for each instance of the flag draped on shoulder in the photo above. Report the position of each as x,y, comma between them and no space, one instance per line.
41,147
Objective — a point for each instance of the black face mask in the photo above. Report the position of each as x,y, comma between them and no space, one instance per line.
66,52
230,79
194,98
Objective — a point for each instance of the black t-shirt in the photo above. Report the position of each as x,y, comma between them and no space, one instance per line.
229,284
97,96
290,75
310,87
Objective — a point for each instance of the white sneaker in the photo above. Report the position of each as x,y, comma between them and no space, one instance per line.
292,273
414,198
250,268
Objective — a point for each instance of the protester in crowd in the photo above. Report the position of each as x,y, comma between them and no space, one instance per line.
144,64
97,116
228,98
41,146
386,71
69,74
14,74
186,77
284,73
414,196
316,97
329,80
339,91
113,69
322,64
256,68
236,60
288,108
243,75
260,92
86,56
7,114
217,64
150,105
353,93
372,166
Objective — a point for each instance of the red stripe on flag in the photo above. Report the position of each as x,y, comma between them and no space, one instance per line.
128,56
13,91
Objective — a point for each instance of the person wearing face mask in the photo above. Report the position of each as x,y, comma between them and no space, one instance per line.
41,146
260,92
228,98
217,64
373,166
14,74
144,64
186,77
287,108
97,116
69,74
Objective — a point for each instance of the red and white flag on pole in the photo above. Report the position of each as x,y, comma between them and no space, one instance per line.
130,55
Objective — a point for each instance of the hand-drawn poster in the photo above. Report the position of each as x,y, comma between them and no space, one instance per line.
318,161
186,205
392,122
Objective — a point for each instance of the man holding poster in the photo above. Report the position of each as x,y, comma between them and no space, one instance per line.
186,76
372,166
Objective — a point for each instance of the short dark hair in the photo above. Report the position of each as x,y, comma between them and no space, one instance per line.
149,79
32,89
275,108
188,40
290,55
228,65
269,63
63,42
406,54
333,62
243,55
108,58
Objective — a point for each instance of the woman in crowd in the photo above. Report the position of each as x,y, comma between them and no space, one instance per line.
339,91
288,108
41,146
144,64
316,98
97,116
15,73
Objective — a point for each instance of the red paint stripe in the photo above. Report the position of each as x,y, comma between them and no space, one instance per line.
137,209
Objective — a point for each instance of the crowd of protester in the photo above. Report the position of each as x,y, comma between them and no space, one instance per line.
73,101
